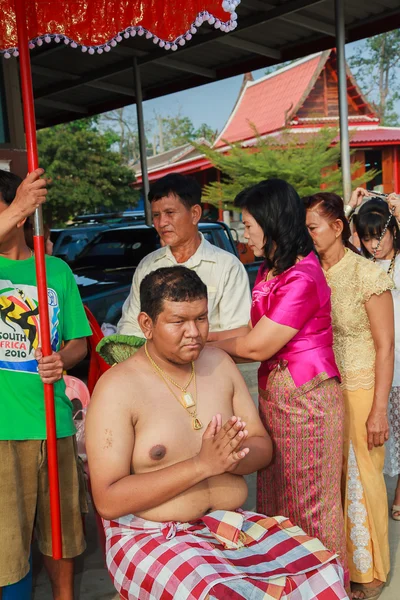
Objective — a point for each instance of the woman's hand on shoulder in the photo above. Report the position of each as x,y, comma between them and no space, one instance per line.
377,428
216,336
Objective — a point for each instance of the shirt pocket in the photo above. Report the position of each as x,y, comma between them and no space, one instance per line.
212,298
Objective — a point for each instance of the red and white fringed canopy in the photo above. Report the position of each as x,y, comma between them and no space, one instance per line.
98,25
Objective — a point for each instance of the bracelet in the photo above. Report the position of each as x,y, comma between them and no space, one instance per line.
348,211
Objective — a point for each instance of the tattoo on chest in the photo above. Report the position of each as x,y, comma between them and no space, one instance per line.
108,439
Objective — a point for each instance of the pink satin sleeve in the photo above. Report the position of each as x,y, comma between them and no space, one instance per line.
298,298
292,302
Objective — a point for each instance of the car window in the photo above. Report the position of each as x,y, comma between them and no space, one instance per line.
222,240
219,238
208,236
67,239
118,248
73,238
54,235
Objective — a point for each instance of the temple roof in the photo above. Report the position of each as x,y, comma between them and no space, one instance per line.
273,102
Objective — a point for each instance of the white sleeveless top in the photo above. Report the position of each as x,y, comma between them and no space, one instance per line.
396,301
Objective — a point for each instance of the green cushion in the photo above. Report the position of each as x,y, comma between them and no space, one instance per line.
117,347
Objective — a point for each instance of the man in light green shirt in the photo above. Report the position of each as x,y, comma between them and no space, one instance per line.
176,210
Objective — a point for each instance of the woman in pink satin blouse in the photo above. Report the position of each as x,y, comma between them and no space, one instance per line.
300,399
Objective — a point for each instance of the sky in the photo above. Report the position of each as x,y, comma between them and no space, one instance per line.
211,103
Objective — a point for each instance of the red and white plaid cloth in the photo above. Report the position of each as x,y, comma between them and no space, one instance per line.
225,555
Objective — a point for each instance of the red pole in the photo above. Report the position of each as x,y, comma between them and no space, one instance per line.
38,240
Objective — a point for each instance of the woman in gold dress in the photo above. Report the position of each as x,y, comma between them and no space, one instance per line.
363,327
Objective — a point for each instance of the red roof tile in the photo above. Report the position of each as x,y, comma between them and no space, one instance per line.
267,102
380,134
358,137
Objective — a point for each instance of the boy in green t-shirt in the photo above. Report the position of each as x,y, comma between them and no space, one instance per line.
24,497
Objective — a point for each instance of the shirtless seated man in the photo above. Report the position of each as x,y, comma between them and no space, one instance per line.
170,433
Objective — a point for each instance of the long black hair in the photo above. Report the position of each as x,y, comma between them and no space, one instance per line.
277,208
371,220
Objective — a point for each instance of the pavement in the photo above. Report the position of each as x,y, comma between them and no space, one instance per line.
93,583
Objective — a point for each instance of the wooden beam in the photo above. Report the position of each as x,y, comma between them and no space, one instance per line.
186,67
123,50
257,5
310,23
100,85
89,77
297,19
270,12
82,110
112,87
51,73
235,42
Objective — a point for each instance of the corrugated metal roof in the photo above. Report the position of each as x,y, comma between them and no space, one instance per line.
378,135
181,153
359,135
268,33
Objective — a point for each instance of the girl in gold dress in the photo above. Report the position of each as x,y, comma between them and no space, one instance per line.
363,327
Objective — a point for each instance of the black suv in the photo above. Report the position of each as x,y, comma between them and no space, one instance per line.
104,269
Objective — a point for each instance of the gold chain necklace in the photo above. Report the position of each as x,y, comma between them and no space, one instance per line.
186,399
166,376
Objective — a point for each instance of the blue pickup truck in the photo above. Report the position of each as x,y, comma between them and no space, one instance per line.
104,269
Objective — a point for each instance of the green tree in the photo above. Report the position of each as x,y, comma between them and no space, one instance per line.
163,132
85,174
206,132
173,131
177,131
375,63
307,168
123,123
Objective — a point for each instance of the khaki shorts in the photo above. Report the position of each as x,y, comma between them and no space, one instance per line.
25,504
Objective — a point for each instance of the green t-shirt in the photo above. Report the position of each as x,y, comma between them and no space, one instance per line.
22,411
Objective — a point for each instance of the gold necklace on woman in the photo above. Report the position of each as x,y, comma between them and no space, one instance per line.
186,400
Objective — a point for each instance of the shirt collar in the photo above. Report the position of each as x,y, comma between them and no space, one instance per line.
205,252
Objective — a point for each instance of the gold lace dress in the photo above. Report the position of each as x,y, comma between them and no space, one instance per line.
353,280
